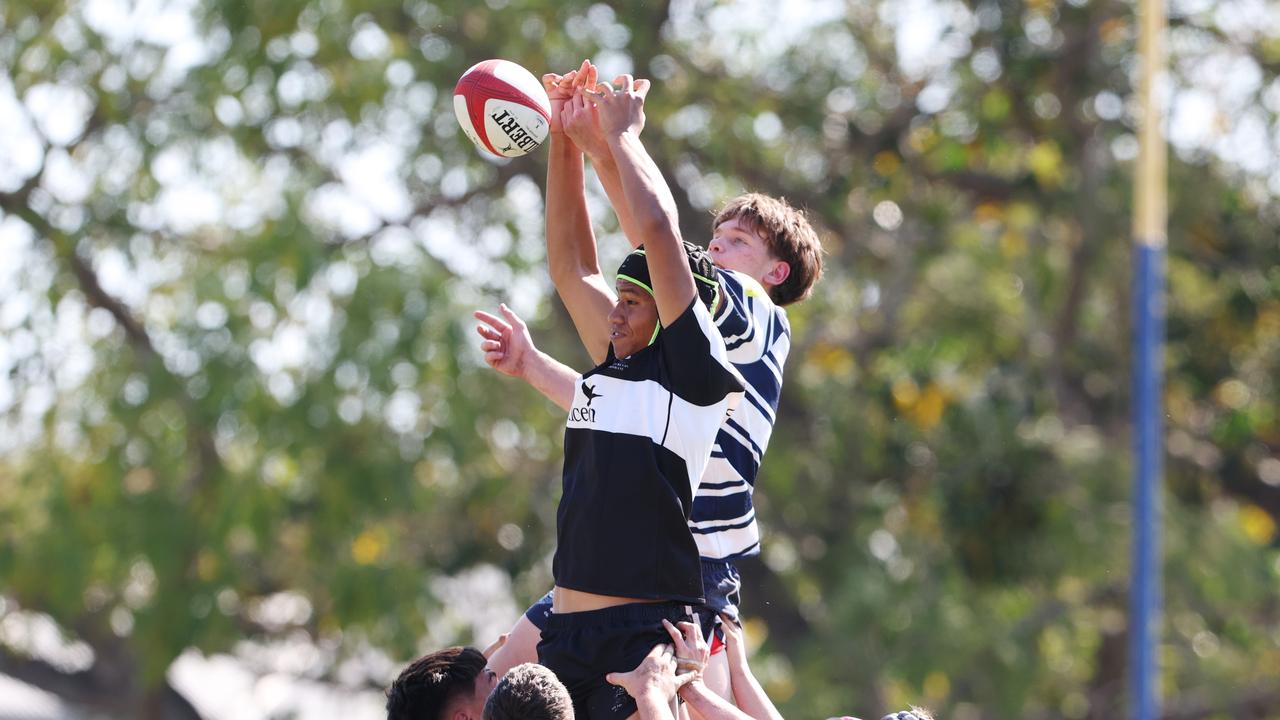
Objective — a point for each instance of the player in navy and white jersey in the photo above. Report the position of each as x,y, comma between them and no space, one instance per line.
758,339
639,436
768,256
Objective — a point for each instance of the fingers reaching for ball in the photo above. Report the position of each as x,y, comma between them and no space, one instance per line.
599,89
622,110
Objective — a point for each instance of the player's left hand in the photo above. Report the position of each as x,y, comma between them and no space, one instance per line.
621,110
580,118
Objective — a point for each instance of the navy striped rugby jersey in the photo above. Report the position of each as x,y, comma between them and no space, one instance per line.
757,338
638,438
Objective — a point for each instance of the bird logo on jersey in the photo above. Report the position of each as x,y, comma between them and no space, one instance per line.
586,414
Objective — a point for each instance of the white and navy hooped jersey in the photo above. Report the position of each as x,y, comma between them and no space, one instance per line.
638,439
757,339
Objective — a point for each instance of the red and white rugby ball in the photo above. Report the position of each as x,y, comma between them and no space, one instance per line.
502,108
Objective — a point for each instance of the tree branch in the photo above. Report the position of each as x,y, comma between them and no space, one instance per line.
75,686
505,173
198,437
93,689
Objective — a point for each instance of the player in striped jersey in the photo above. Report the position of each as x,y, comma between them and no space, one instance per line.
769,256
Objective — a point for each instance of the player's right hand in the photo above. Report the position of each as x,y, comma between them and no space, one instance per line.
558,92
580,120
560,89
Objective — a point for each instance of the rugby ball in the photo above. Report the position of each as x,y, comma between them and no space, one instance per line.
502,108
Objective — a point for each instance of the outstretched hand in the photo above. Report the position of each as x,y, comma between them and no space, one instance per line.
560,89
581,120
582,124
621,110
506,343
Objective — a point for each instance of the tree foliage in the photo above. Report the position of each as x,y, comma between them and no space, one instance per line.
240,367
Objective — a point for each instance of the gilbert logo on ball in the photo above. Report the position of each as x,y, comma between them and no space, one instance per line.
502,108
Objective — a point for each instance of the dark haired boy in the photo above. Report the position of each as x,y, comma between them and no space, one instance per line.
449,684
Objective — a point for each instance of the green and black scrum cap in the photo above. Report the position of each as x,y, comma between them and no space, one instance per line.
635,269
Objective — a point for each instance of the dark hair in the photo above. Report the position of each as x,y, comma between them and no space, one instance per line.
430,683
788,235
529,692
915,713
635,269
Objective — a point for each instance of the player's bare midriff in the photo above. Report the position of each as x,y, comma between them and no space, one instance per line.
565,600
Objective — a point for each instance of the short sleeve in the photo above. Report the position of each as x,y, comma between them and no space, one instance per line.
696,362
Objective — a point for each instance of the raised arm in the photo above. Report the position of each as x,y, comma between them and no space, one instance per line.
652,207
584,129
509,350
571,245
692,654
746,689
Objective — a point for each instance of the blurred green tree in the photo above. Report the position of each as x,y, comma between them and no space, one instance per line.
240,368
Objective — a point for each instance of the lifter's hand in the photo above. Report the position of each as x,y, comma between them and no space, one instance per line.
506,343
495,646
735,645
691,649
622,110
654,677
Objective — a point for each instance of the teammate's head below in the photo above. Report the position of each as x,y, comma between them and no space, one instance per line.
529,692
450,684
915,713
770,241
633,322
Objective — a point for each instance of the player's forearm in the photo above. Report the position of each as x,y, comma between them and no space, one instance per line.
710,705
550,377
751,698
607,171
571,246
653,211
649,706
643,188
